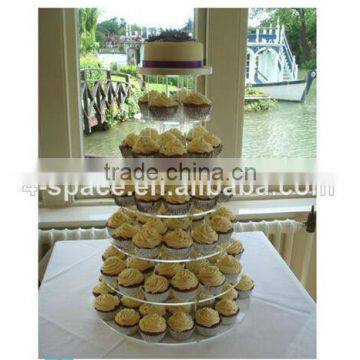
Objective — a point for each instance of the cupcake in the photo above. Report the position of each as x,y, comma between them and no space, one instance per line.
235,249
142,219
127,145
130,281
205,197
196,131
111,268
177,133
205,299
127,321
211,279
112,251
230,267
205,238
162,107
207,321
223,228
224,212
116,220
172,309
214,141
156,288
152,327
124,196
150,132
143,103
228,311
102,288
157,224
196,217
177,242
178,223
177,204
230,293
199,148
245,286
123,234
145,146
180,95
145,266
181,325
130,303
146,309
147,242
184,285
148,202
107,305
196,265
167,269
220,252
172,147
196,106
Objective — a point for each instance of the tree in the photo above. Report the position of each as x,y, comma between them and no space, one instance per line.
88,18
189,26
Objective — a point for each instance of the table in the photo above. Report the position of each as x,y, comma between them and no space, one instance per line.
281,322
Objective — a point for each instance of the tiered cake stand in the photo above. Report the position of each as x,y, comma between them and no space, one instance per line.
181,120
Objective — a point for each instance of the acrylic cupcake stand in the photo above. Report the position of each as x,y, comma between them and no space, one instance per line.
182,121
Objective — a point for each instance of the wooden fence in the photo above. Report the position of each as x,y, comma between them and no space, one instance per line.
97,95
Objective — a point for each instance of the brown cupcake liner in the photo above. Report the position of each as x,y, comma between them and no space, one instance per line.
144,109
200,155
152,338
197,112
162,113
205,204
148,206
177,209
126,151
124,200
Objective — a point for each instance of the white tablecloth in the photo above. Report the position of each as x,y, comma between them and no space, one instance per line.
281,322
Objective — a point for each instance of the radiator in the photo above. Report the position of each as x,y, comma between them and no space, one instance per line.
280,232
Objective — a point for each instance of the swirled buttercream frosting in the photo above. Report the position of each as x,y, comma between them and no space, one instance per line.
196,131
155,284
178,223
226,307
152,323
113,251
229,265
236,247
173,198
225,212
167,269
245,284
172,146
146,309
102,288
196,265
162,100
157,224
178,239
204,234
212,139
220,224
127,317
125,231
117,219
145,145
211,276
106,302
180,321
184,280
231,293
150,132
196,98
130,277
147,238
199,146
207,317
130,140
113,265
139,264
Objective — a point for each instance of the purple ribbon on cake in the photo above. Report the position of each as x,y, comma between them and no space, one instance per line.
172,64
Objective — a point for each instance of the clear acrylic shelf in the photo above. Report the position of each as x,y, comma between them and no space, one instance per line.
205,70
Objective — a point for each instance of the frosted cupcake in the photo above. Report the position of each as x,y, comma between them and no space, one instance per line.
177,204
150,132
145,146
224,212
178,243
196,265
211,279
127,145
156,288
162,107
130,281
143,103
127,321
223,228
230,293
196,218
205,198
177,133
147,242
235,249
123,234
181,326
220,253
184,285
167,269
178,223
148,201
245,286
172,147
146,309
111,268
130,303
158,224
196,131
152,328
113,251
228,311
205,238
172,309
116,220
230,267
144,266
124,196
106,306
207,321
205,299
214,141
199,148
102,288
196,106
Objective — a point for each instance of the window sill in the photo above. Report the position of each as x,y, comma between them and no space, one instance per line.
96,215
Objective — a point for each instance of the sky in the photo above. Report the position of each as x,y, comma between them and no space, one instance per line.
170,17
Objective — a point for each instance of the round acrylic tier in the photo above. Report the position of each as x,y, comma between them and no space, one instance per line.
195,338
205,70
173,259
180,302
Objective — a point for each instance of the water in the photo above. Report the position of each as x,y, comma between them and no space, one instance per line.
288,131
107,59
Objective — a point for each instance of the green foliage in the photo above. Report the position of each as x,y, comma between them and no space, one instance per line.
257,105
113,66
88,19
112,26
91,61
129,69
